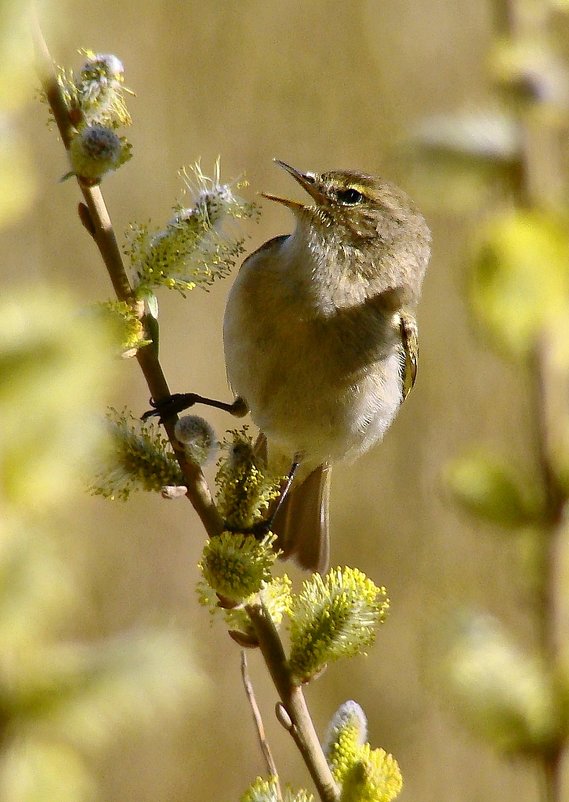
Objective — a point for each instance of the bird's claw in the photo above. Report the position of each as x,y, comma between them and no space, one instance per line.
169,406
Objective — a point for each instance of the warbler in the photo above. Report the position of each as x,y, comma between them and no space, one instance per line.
320,337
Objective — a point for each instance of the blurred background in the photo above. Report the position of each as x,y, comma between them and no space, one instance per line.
322,85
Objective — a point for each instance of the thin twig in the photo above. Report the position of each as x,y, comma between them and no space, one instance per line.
292,698
265,748
544,187
548,588
103,233
98,223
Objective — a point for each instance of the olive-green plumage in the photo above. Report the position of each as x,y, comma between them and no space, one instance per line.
321,339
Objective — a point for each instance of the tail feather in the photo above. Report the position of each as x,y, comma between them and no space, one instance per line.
301,524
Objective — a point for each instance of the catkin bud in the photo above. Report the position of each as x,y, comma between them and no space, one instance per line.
349,722
94,151
103,67
197,437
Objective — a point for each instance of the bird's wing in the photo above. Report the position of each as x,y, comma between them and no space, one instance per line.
410,357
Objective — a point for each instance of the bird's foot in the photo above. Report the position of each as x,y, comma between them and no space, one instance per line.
174,404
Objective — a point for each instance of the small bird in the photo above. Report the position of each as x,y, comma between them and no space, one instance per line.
321,339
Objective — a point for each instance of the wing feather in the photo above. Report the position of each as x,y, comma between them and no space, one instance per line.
410,343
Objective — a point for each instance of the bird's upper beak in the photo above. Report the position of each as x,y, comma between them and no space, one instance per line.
306,181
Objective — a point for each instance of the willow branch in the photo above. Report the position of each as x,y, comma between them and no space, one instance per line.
95,217
549,608
545,185
300,726
258,721
99,225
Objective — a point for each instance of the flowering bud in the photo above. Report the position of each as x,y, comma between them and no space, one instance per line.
94,151
245,489
197,437
348,723
104,67
334,616
375,777
364,774
237,565
519,282
502,693
490,488
140,458
99,91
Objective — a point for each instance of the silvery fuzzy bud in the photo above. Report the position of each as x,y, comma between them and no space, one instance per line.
94,151
197,437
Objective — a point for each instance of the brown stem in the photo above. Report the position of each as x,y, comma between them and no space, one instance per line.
553,776
45,68
544,187
99,225
102,231
554,495
301,729
106,241
264,744
549,609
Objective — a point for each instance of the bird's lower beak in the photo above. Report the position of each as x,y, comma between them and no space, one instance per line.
306,181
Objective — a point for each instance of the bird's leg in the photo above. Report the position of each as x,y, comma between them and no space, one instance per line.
284,491
260,529
173,404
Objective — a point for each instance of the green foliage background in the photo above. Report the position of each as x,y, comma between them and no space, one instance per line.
324,84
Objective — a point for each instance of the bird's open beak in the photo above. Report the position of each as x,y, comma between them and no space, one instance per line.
306,181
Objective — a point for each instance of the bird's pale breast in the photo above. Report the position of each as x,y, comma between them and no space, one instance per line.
326,386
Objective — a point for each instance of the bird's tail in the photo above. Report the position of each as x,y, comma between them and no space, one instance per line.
301,523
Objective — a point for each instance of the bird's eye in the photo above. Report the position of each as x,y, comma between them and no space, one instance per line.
350,196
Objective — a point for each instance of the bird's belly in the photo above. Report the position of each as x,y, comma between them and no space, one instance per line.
314,398
326,422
